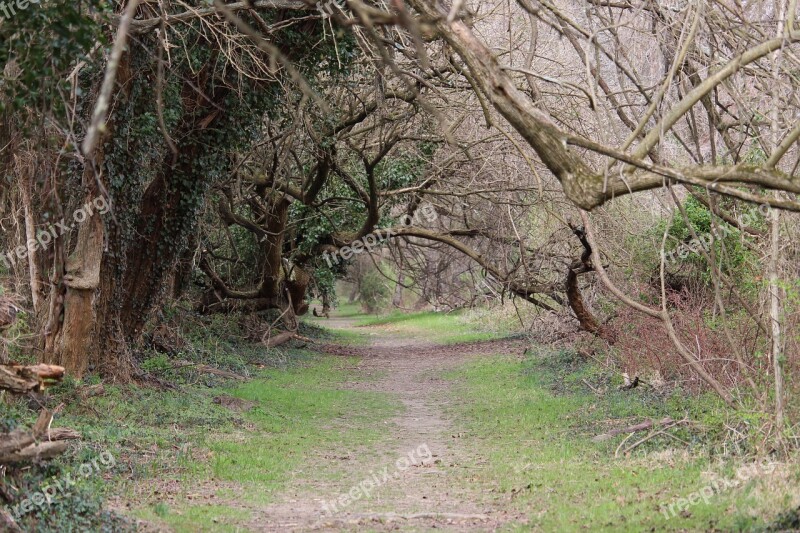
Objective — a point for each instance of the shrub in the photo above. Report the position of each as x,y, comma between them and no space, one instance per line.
374,292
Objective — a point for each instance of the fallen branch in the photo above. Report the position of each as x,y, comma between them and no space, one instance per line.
21,438
205,369
279,339
24,379
590,386
7,523
652,435
38,443
642,426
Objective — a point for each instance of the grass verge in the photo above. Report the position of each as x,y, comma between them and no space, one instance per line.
207,453
534,421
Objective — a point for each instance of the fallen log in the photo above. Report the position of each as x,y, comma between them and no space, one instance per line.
38,452
21,379
63,434
642,426
207,370
38,443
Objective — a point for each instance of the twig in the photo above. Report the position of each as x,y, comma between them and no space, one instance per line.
590,386
647,424
616,452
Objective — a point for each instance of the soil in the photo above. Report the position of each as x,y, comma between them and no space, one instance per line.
423,477
440,491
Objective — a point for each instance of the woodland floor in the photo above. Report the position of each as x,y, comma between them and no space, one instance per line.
434,493
509,452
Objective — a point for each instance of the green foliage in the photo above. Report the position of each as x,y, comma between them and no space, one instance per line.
325,284
156,364
46,41
732,256
374,291
404,169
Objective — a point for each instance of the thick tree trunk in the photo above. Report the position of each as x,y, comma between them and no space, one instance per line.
279,288
326,305
145,237
278,216
69,335
585,317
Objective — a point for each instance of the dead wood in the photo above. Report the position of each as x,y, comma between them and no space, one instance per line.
206,369
662,431
38,452
7,523
279,339
23,379
642,426
91,391
39,442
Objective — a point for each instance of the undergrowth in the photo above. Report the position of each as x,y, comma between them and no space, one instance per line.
182,427
534,421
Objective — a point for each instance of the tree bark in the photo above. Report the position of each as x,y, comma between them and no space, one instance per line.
584,315
30,233
24,379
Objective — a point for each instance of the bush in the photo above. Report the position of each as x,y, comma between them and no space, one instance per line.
374,292
733,256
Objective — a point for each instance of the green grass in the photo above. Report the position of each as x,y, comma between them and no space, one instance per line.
443,328
533,427
296,413
165,439
197,518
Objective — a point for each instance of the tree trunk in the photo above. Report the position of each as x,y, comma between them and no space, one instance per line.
775,318
585,317
397,300
70,335
326,305
30,233
353,293
145,236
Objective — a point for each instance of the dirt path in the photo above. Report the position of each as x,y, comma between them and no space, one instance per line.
420,479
